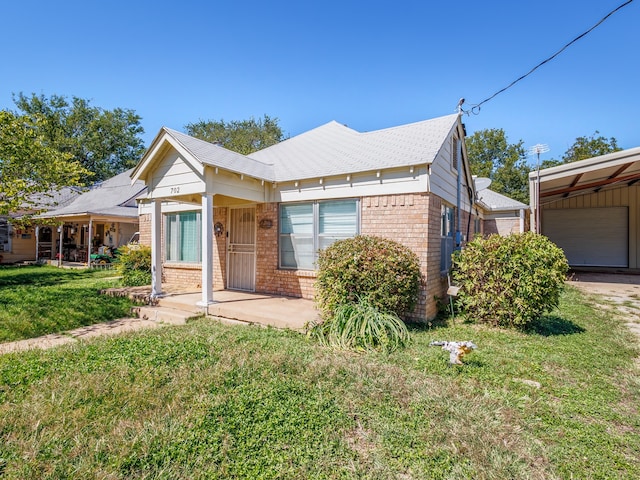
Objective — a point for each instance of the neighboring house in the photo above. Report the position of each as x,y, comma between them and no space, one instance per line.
499,214
18,243
591,209
106,215
255,223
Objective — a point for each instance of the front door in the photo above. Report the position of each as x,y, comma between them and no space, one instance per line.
242,249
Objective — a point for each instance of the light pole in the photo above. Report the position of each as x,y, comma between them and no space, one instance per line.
536,150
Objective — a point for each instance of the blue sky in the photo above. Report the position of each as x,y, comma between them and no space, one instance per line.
368,64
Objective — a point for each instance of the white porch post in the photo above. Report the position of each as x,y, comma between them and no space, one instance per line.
90,242
156,249
37,243
522,220
207,250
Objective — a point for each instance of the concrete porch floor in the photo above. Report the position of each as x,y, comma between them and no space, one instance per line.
255,308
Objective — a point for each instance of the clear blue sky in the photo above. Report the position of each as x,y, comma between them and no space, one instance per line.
368,64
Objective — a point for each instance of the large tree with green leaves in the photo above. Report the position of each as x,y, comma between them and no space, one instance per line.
492,156
105,142
242,136
29,166
589,147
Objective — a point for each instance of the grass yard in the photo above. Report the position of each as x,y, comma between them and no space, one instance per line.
38,300
207,400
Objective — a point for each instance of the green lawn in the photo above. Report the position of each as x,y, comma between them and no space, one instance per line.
207,400
37,301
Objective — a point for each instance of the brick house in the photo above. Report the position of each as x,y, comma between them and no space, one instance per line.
215,218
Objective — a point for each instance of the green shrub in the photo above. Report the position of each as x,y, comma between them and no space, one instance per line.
385,272
509,281
361,326
134,264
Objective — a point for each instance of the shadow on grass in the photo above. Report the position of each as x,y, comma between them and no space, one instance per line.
37,275
551,325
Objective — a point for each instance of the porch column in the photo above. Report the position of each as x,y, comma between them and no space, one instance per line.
207,250
90,242
37,243
156,249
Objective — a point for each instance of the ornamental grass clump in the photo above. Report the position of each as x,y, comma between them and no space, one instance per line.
509,281
134,264
383,271
360,326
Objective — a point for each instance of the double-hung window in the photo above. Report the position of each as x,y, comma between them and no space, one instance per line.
183,237
308,227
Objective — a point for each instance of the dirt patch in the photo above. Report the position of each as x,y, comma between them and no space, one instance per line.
621,292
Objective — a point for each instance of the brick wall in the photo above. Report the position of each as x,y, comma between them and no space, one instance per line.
268,278
183,275
220,214
144,226
411,219
501,226
414,221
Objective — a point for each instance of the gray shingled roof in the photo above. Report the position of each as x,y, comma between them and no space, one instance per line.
495,201
334,149
217,156
107,198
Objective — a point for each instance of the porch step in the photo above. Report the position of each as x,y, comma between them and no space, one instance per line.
162,314
186,303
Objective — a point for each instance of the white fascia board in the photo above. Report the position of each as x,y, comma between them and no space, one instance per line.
390,182
591,164
158,145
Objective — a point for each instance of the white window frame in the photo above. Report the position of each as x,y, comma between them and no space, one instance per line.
178,239
316,236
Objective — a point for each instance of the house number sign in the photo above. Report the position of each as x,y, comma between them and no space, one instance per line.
175,190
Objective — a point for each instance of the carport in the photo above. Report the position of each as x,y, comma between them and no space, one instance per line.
590,209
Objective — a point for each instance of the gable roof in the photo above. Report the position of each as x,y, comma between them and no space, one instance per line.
335,149
331,149
218,156
110,197
494,201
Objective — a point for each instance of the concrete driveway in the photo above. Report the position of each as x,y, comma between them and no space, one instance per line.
620,292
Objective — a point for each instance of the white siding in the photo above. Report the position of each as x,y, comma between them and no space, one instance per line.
174,177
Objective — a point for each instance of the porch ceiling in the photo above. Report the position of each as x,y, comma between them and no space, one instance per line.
589,176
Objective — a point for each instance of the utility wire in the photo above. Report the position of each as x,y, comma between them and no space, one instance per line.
476,108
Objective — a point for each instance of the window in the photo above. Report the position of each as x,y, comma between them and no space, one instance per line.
306,228
183,237
5,235
446,237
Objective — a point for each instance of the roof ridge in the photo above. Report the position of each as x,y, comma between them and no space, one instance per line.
400,127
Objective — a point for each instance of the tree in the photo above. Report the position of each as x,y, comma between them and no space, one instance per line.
29,167
490,155
589,147
242,136
105,142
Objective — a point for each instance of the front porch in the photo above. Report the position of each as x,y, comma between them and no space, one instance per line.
229,306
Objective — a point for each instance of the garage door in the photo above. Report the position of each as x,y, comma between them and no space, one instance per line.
594,237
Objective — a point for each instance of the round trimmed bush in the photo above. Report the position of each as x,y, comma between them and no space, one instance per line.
383,271
509,281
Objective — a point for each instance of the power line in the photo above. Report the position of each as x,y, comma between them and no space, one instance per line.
476,108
